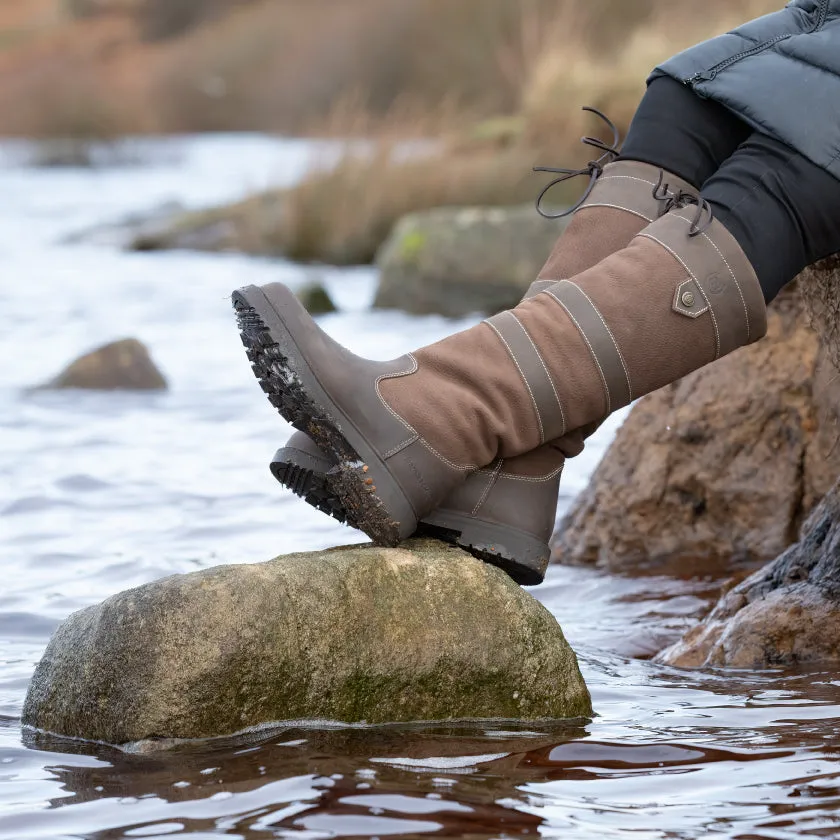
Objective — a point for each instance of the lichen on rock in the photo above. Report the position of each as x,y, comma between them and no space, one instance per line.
454,261
421,632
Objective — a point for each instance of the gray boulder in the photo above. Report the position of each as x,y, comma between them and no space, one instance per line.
421,632
455,261
120,365
788,613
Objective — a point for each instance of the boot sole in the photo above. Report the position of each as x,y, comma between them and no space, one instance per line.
379,508
308,482
522,556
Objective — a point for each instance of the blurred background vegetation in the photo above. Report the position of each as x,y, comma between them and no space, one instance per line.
498,84
80,67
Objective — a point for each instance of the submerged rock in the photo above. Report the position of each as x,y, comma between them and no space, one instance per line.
422,632
120,365
788,613
455,261
316,299
717,471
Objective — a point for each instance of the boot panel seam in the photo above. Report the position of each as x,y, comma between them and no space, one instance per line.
399,447
600,340
604,178
620,207
610,333
588,344
547,374
532,478
691,274
522,375
470,468
415,436
490,485
412,369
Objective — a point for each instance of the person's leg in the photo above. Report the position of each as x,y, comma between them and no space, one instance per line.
406,433
505,514
675,130
675,136
783,210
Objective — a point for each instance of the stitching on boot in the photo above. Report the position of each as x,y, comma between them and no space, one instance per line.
397,375
694,278
729,269
588,344
416,438
534,479
533,399
619,207
610,333
471,468
490,485
399,447
539,356
606,177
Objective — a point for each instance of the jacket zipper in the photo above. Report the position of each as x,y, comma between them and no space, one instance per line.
708,75
821,17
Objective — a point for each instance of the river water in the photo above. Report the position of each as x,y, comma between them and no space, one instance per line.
101,492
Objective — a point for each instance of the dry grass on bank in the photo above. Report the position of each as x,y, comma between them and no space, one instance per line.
290,65
342,215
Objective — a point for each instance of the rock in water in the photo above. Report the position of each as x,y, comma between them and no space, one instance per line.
717,471
455,261
120,365
421,632
316,299
788,613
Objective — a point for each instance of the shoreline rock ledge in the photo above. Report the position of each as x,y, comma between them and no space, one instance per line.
420,632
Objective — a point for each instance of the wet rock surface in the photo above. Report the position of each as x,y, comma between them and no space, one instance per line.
455,261
423,632
120,365
716,472
788,613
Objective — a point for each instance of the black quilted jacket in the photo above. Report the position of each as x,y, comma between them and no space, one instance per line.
780,73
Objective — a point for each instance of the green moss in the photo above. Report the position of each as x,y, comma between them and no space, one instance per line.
412,245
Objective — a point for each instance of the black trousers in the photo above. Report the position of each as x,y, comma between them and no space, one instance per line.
783,210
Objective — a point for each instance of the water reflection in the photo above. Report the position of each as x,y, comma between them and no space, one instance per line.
104,492
459,780
482,781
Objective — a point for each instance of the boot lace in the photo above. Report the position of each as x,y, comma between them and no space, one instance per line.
670,200
593,169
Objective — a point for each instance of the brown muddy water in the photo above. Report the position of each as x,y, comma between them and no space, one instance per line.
102,492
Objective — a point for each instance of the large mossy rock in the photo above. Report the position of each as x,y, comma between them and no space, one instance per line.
788,613
123,365
717,471
422,632
456,261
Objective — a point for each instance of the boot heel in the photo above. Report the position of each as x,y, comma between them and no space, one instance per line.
523,556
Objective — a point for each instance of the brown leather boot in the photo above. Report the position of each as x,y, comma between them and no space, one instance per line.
505,514
407,433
